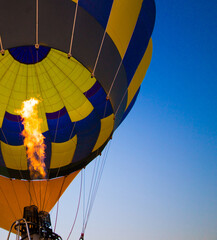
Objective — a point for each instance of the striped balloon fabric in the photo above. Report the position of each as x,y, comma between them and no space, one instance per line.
85,61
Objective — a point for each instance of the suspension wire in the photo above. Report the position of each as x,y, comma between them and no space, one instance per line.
97,185
28,189
56,215
93,183
29,181
121,102
90,192
99,52
79,200
40,192
43,205
36,27
73,30
102,168
57,126
116,74
1,45
58,203
100,48
55,141
84,199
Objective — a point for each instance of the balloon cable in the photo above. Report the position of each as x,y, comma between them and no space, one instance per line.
43,205
79,200
36,27
58,203
97,177
100,48
114,78
73,30
33,188
121,102
84,200
90,191
97,58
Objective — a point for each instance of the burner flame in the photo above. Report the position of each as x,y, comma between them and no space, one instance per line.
33,138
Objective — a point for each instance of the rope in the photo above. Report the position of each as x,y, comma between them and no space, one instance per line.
99,52
121,102
43,205
57,126
56,215
1,45
84,200
76,215
89,196
36,27
97,58
93,182
97,179
97,185
33,192
114,79
90,200
58,203
73,30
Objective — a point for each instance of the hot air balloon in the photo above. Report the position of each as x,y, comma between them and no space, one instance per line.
85,61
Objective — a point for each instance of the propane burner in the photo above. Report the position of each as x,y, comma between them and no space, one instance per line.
34,225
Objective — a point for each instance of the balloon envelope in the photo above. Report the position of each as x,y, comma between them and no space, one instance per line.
84,98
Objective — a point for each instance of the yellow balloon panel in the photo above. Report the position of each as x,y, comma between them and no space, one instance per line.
14,156
139,74
57,81
122,21
74,70
71,95
107,125
7,79
62,153
51,99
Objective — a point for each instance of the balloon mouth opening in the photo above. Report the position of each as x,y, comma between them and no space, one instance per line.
29,54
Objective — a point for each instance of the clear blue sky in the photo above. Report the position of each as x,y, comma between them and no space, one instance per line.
160,178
